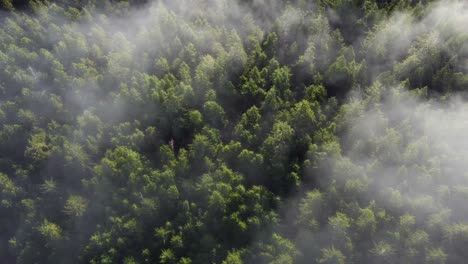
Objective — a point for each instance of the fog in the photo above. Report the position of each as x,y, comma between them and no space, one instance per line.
403,152
402,158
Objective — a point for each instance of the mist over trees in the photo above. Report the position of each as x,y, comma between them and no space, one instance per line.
250,131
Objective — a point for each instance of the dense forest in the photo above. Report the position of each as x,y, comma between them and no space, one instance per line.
245,131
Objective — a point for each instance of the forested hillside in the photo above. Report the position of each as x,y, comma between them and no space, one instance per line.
245,131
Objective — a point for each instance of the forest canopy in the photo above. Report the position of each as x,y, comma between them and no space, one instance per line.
249,131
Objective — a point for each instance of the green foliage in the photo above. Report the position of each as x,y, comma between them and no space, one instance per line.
233,258
382,251
332,256
38,150
50,231
75,206
8,191
436,255
231,132
310,208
